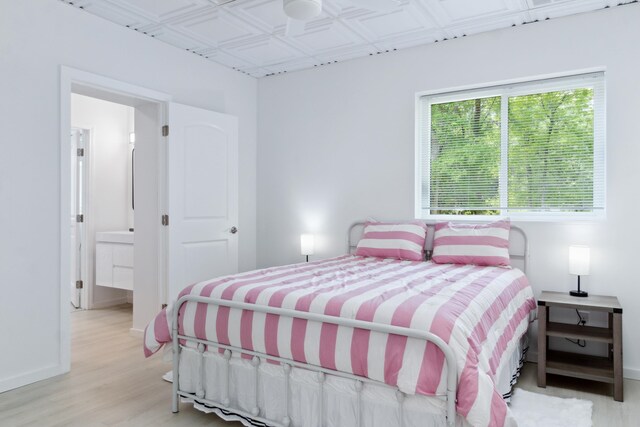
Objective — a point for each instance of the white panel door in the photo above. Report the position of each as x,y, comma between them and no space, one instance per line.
202,196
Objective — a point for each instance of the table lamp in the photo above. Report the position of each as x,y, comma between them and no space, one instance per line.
306,245
579,260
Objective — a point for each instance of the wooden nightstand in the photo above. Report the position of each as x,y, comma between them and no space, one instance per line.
604,369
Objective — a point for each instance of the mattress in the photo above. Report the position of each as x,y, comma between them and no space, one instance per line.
481,312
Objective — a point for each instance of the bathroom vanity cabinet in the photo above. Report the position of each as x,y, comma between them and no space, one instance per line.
114,259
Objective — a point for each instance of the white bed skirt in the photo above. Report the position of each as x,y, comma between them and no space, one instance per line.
380,406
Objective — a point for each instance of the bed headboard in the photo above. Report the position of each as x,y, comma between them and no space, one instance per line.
518,243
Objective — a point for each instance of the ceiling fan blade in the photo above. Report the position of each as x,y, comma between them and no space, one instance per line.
375,5
295,27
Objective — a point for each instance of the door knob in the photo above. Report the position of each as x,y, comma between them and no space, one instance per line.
234,230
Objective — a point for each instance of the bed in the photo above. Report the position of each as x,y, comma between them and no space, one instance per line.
352,341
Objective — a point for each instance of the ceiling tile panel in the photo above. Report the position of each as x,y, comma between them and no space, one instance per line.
459,10
114,14
266,53
391,24
215,28
160,9
268,12
325,38
250,35
230,61
557,8
179,40
479,25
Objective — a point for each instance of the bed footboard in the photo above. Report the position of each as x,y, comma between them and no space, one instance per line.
287,364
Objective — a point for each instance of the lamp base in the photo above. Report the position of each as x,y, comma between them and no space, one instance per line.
579,293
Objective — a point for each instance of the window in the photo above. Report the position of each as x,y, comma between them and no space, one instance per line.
531,149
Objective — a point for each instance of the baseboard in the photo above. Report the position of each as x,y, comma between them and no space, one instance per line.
109,303
138,333
631,373
31,377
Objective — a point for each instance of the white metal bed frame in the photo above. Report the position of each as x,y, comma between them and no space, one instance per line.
257,357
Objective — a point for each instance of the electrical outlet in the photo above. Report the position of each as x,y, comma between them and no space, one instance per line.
584,315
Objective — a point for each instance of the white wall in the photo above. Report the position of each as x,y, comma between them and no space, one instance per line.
36,37
337,144
109,195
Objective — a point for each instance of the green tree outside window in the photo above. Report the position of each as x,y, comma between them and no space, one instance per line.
545,151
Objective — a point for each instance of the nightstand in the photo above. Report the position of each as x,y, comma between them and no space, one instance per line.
595,368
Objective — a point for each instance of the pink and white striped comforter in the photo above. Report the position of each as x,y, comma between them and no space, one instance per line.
481,312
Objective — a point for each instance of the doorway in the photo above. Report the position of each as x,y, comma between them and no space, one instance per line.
185,174
149,116
102,202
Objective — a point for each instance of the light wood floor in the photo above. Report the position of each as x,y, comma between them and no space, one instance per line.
111,384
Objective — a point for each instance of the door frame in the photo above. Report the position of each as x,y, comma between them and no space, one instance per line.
70,78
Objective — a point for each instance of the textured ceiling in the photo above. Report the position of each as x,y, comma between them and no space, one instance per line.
249,35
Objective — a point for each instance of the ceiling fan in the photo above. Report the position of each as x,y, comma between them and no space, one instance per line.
301,11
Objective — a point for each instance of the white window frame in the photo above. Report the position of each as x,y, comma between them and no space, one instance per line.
596,79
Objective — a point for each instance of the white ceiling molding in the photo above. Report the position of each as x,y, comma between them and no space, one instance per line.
249,35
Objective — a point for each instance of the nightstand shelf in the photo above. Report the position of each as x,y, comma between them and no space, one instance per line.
594,368
580,366
577,332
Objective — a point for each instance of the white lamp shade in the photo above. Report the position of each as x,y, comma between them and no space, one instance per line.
302,9
306,244
579,260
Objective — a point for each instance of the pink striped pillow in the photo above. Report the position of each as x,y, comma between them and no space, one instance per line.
477,244
393,240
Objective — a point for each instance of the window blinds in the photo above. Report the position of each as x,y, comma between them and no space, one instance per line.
529,148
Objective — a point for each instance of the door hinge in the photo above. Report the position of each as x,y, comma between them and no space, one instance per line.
79,284
80,152
163,306
165,130
165,220
80,218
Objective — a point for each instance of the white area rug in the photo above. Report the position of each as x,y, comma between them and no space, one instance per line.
168,377
536,410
